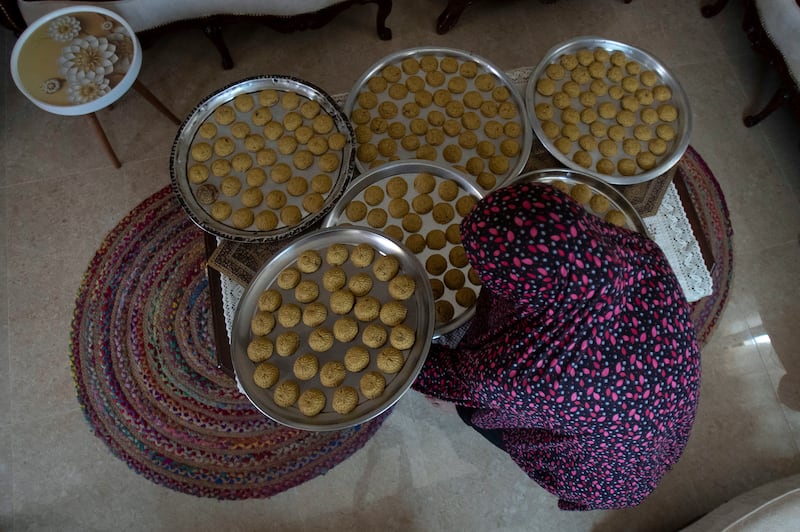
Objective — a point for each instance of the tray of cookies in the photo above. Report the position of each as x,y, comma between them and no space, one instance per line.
444,105
596,196
421,204
262,159
333,330
608,109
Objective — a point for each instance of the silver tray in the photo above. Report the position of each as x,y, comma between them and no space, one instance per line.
420,308
633,221
516,164
409,170
180,158
682,126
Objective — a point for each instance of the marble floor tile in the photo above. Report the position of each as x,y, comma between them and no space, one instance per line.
424,469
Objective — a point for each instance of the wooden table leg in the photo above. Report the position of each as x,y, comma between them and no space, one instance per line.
98,129
155,102
221,341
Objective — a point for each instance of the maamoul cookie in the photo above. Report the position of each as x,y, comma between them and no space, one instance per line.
356,358
320,339
266,375
332,374
287,343
372,384
260,348
390,360
311,402
286,393
306,366
345,399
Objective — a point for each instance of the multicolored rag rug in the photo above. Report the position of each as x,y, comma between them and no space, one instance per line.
714,219
145,368
146,374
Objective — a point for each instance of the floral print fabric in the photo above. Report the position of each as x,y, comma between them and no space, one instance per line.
581,352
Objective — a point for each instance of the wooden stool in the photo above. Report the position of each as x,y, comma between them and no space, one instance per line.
79,60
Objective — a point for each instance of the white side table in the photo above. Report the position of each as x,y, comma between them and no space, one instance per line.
79,60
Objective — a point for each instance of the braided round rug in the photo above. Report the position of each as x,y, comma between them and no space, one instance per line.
712,212
143,360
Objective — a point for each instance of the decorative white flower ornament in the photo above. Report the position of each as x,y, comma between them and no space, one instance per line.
86,90
64,29
88,57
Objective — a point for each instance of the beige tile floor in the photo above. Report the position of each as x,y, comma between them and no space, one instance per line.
424,470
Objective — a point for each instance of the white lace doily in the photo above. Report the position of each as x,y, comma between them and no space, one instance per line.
669,228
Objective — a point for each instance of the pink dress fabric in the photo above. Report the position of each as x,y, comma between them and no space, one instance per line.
581,356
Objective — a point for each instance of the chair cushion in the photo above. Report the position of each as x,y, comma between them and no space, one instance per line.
781,21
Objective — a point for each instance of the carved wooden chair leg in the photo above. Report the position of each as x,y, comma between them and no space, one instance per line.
101,134
713,9
155,102
214,33
449,17
384,9
781,95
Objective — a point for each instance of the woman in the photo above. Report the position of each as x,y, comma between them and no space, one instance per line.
581,360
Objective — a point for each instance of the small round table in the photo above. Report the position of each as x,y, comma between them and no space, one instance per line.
79,60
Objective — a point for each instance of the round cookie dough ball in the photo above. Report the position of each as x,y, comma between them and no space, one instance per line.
242,218
599,204
402,337
367,308
416,243
262,323
306,366
337,254
454,279
466,296
260,349
356,211
402,287
581,193
291,215
374,335
385,267
266,375
334,279
360,284
356,358
306,291
345,399
341,301
287,343
315,314
345,329
362,255
376,218
436,264
311,402
289,315
270,300
393,313
435,239
286,393
288,278
221,210
320,339
646,160
626,166
309,261
372,384
615,218
443,311
390,360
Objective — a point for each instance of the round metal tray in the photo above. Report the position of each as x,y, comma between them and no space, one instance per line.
409,170
420,309
181,157
633,221
682,126
516,164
